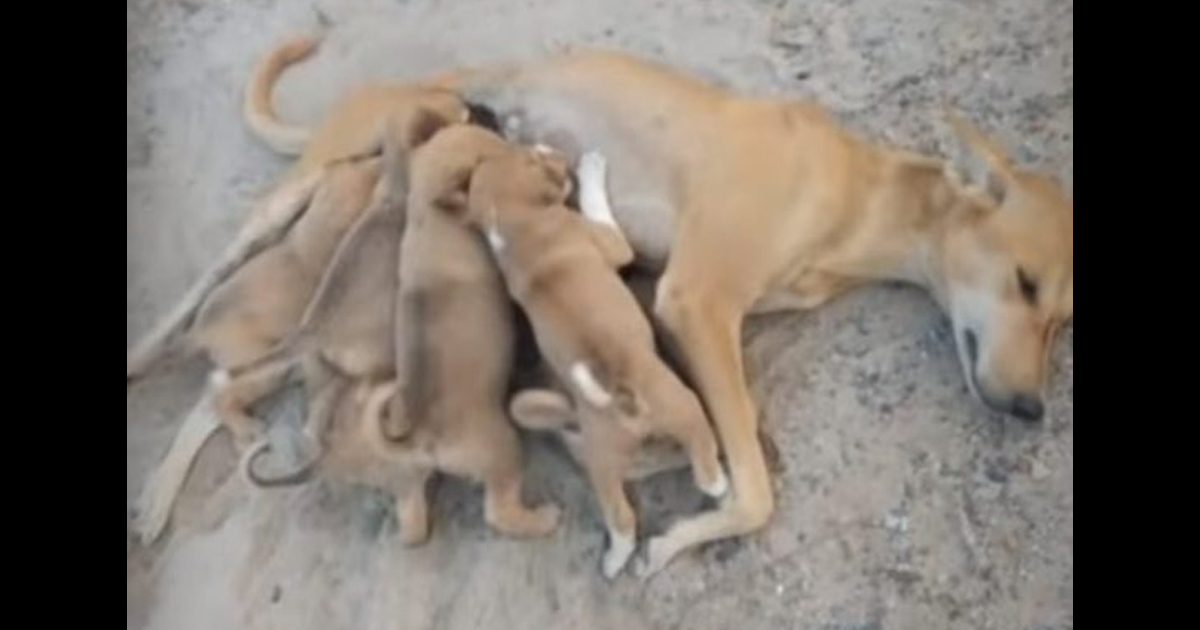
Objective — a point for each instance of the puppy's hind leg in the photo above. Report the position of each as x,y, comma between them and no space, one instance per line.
279,212
678,411
412,506
233,397
497,453
606,454
153,508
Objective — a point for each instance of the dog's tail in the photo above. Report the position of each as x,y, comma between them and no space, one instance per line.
385,421
259,114
541,410
249,468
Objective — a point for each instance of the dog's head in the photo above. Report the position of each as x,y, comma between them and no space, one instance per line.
1008,274
519,180
442,168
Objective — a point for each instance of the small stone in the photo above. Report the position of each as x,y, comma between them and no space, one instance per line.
1038,471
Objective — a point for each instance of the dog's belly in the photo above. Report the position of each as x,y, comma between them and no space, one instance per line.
639,171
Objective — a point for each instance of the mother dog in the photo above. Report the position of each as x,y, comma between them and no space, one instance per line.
752,205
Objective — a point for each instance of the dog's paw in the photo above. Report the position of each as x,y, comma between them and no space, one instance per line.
544,520
659,553
620,549
152,510
718,487
592,167
414,534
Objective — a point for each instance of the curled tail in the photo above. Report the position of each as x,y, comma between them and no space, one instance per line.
386,426
259,114
263,447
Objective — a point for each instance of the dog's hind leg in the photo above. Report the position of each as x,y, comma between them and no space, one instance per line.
234,396
606,452
493,450
677,410
412,506
164,484
280,211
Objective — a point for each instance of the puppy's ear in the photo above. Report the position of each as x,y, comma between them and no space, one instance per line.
978,162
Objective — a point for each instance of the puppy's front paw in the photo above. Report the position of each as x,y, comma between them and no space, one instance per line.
718,487
659,553
620,549
592,167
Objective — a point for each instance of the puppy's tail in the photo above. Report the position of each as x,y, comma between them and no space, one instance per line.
541,410
249,468
384,419
259,114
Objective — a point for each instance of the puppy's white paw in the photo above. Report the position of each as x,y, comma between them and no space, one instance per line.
620,549
592,166
658,554
718,487
153,508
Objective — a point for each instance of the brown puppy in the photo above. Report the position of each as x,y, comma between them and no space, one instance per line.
260,303
454,347
346,333
561,267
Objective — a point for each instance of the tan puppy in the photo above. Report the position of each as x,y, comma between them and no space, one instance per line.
238,319
751,205
347,331
561,267
454,346
541,402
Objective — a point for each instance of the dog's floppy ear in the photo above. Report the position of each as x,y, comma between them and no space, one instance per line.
978,162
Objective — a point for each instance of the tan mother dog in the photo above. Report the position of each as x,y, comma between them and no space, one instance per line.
752,205
561,267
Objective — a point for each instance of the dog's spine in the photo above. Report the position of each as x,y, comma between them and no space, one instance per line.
259,114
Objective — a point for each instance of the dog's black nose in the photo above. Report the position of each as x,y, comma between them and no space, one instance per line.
1028,408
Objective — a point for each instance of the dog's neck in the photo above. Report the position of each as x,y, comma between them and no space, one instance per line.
914,209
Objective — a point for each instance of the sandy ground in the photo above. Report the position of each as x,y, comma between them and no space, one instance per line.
902,503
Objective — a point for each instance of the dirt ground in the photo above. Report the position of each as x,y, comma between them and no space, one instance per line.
902,503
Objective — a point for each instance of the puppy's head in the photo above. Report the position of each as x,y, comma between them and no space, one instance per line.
519,180
411,125
442,168
1008,273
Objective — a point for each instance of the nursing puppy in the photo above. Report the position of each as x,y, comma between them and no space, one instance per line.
561,267
454,347
254,297
345,336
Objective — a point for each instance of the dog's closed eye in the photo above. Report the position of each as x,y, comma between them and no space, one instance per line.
1028,286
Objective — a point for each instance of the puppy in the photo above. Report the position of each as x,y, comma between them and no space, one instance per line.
454,348
561,268
250,302
345,336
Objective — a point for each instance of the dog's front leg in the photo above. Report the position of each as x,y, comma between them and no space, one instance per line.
705,329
